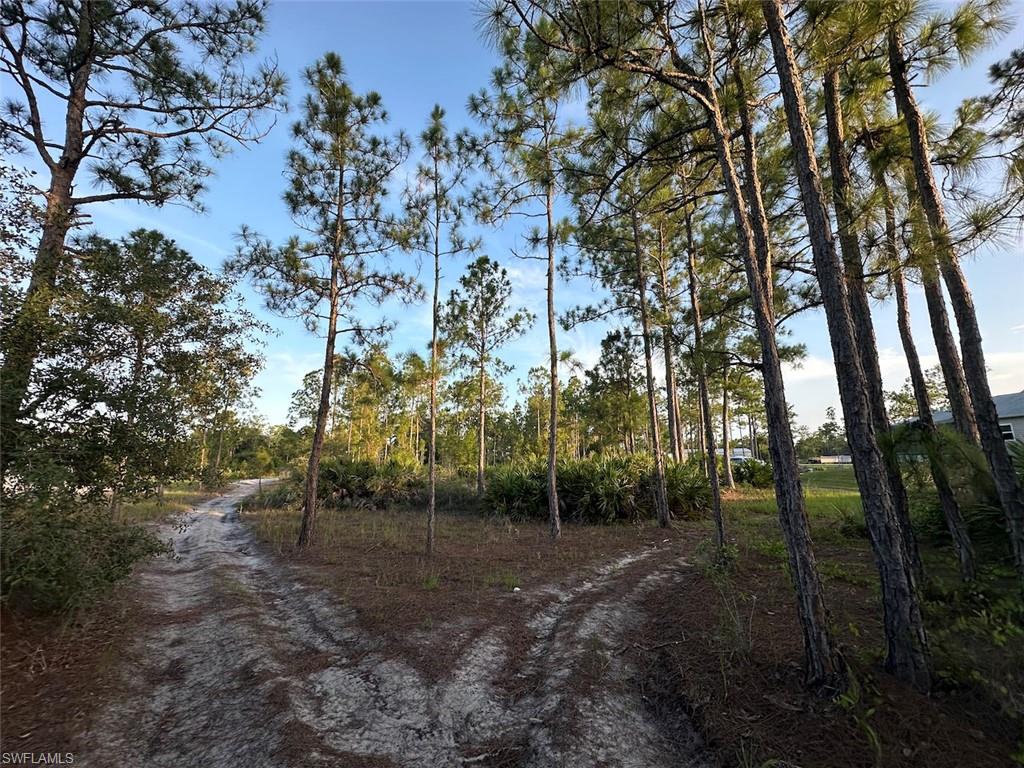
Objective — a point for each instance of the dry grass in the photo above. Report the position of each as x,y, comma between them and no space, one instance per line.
56,672
175,499
387,547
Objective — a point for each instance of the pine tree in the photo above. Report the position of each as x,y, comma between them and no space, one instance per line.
147,90
478,321
338,174
523,150
907,653
437,207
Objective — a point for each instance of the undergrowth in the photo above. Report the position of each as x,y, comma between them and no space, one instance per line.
61,555
596,490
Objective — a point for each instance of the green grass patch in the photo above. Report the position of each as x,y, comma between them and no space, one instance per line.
431,582
831,569
838,477
824,503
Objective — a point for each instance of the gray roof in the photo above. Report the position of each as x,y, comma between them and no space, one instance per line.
1007,406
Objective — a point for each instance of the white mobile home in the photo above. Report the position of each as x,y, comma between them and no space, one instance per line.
842,458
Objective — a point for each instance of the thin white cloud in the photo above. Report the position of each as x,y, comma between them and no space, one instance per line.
134,216
280,377
811,368
525,276
286,369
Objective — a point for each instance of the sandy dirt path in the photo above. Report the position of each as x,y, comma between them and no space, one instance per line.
241,664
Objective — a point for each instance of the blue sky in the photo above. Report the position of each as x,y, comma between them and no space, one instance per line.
419,54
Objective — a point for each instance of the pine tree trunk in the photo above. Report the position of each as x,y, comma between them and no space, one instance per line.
434,319
708,433
752,181
823,665
554,518
947,498
907,654
481,451
946,348
335,389
726,447
938,318
309,501
992,443
220,443
682,429
671,397
23,338
351,422
671,401
860,309
702,436
660,491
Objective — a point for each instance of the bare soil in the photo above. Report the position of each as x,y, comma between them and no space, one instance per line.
240,658
615,647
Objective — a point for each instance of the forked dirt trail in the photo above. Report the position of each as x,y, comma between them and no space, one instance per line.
243,665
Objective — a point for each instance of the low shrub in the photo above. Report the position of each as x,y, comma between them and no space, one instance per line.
752,472
985,527
689,494
62,555
287,493
344,483
974,489
604,490
211,478
394,483
596,490
518,490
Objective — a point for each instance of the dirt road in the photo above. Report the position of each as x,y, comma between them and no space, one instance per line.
244,665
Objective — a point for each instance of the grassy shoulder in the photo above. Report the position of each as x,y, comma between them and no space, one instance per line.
836,477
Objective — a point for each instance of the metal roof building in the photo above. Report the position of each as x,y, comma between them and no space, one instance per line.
1010,408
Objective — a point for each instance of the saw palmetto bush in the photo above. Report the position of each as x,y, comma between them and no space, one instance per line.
689,495
517,490
344,484
596,490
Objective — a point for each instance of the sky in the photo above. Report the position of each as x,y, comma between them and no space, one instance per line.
420,54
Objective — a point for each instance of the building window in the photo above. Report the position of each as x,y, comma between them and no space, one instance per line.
1007,430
